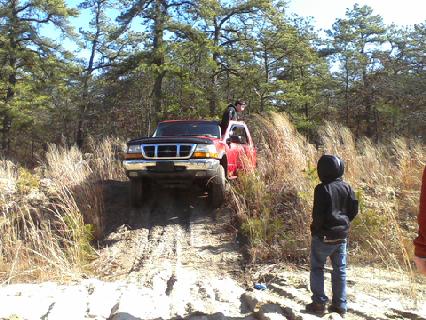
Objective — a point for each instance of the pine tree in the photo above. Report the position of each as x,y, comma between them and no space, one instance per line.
25,55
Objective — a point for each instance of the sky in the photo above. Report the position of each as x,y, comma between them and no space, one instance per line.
325,12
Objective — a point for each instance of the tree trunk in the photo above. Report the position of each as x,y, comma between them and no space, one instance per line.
84,105
158,55
305,92
157,93
266,66
11,83
376,125
262,103
213,96
81,125
369,116
7,122
347,92
7,119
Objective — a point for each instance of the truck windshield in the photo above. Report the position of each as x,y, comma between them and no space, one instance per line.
172,129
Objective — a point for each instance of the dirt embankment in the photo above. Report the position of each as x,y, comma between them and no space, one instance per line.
175,258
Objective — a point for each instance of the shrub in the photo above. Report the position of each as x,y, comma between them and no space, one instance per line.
53,239
27,181
386,179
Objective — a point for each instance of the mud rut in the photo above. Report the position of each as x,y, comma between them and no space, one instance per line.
177,250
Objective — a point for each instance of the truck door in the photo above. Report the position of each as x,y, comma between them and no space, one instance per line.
232,153
240,148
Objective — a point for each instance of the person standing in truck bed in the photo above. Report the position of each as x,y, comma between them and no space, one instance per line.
231,113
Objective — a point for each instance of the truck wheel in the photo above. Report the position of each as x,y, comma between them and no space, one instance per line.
217,189
136,193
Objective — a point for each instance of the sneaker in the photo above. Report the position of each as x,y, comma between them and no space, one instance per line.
338,310
315,307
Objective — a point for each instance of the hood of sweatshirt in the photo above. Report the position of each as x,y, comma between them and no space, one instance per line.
330,168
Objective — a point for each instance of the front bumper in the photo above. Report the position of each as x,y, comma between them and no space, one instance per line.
177,169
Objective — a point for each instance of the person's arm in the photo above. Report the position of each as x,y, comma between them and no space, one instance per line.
353,205
321,203
420,241
233,115
225,120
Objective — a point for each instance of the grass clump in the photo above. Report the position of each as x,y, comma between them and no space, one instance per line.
270,202
53,238
27,181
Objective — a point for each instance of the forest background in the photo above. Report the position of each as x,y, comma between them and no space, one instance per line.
140,61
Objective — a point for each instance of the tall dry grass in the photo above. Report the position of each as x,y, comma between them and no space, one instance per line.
50,217
274,202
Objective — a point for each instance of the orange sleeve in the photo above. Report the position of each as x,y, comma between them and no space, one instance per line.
420,241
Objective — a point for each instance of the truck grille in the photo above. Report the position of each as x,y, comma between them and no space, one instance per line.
167,151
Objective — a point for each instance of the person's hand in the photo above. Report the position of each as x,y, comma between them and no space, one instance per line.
420,264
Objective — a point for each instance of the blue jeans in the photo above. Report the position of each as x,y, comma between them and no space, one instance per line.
337,253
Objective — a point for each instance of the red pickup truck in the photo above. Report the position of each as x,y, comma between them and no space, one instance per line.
182,153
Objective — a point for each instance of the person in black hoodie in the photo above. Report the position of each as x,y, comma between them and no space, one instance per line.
335,206
231,113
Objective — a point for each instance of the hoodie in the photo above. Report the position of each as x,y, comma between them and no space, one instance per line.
420,241
335,205
229,114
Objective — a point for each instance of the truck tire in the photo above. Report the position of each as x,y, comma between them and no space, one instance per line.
136,193
216,192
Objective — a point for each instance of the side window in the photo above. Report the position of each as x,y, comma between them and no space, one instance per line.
239,131
246,135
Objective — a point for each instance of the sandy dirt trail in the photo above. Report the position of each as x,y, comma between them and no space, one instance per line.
175,258
176,251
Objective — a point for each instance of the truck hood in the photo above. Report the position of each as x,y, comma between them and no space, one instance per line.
165,140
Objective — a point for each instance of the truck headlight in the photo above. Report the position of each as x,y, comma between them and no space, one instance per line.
134,148
134,151
205,151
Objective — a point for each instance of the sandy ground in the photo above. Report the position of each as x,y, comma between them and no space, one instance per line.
175,258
